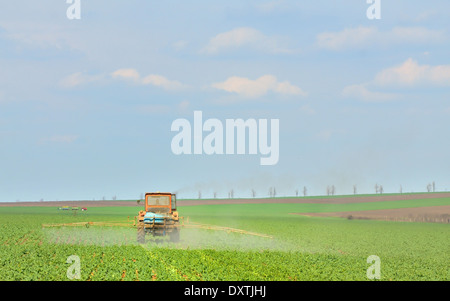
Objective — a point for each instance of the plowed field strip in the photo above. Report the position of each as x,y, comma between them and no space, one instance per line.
418,214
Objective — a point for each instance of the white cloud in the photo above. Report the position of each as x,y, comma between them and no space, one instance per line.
288,88
79,78
348,38
364,37
256,88
362,92
245,37
126,74
152,79
410,73
161,81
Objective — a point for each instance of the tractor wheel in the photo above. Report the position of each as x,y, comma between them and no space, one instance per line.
141,233
175,236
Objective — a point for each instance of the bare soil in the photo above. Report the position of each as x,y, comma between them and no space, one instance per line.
438,214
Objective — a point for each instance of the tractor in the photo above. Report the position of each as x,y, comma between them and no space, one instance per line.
160,217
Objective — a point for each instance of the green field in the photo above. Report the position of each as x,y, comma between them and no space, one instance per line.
302,248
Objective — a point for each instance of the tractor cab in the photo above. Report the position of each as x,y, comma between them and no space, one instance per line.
158,202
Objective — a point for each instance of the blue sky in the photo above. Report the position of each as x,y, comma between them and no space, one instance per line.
86,106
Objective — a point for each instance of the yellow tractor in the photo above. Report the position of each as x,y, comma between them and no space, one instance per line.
160,217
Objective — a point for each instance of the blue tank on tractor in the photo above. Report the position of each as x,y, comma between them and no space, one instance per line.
151,217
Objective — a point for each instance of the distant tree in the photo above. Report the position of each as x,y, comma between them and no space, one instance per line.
331,190
253,193
114,198
354,189
377,188
296,192
381,189
215,194
199,194
401,189
305,191
429,187
434,187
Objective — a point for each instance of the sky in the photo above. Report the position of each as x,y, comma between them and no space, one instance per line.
87,104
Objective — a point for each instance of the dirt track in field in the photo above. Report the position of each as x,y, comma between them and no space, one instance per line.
438,214
181,203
